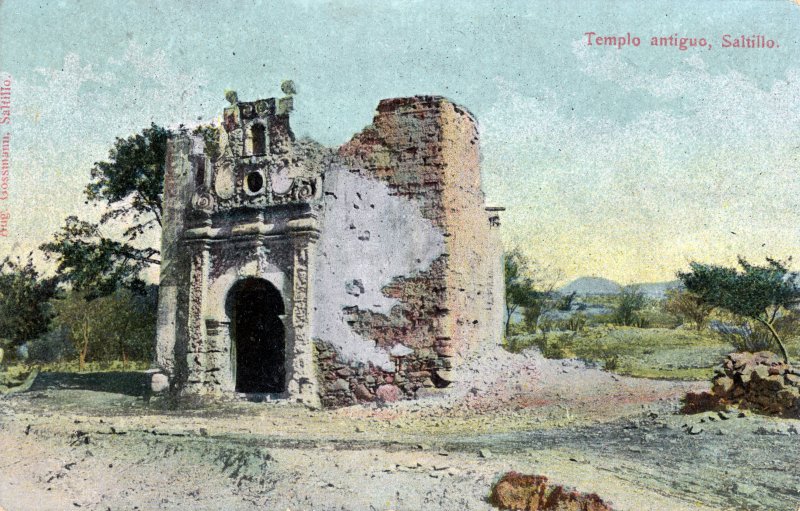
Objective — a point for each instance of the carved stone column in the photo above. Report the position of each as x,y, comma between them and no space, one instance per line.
302,386
197,349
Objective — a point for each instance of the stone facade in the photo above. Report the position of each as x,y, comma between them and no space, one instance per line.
320,275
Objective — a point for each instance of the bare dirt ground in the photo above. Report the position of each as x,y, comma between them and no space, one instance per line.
92,442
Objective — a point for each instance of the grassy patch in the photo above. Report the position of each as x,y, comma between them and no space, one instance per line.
72,367
642,352
13,375
102,376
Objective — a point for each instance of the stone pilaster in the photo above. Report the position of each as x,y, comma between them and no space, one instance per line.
219,354
177,195
197,366
302,385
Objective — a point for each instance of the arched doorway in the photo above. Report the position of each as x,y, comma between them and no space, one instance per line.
258,346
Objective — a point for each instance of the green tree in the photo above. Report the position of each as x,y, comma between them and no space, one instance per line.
688,307
132,181
75,313
129,186
120,325
25,312
528,285
95,264
756,292
129,325
629,303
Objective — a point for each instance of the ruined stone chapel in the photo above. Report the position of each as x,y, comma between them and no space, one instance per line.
326,276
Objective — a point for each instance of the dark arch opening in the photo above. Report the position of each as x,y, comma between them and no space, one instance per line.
258,346
259,137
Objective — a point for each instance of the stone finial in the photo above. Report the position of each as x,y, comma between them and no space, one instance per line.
288,88
231,96
286,104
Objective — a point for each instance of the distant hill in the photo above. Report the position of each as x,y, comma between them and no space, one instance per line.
586,286
589,286
657,290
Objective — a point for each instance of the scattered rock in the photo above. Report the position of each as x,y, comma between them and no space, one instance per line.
696,402
485,453
387,393
341,384
695,430
363,393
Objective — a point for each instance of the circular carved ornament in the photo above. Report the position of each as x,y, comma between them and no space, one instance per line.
203,201
305,191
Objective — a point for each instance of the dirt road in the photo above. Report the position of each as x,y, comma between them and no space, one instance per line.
68,444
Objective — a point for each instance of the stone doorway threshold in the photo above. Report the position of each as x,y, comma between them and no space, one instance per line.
259,397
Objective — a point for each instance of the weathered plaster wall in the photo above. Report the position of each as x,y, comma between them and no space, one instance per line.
368,238
423,151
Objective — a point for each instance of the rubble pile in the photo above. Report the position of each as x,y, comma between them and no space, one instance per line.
759,381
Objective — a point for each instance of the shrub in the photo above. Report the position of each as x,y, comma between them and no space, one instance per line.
560,346
53,346
565,303
530,317
743,337
611,363
688,307
547,325
117,326
630,301
575,323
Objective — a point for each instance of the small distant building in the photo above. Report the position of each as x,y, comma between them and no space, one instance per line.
327,276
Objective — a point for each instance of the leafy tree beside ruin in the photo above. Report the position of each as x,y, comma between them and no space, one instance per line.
528,286
117,326
101,262
95,264
760,293
129,187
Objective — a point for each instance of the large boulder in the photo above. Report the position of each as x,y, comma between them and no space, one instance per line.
159,382
519,491
533,493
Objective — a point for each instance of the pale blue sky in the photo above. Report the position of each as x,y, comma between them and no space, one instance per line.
622,163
